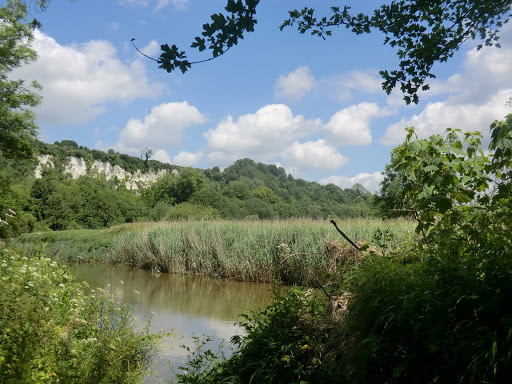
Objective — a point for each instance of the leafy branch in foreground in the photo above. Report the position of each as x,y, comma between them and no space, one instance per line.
219,36
424,32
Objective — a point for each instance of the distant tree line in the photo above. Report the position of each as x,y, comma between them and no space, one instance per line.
244,190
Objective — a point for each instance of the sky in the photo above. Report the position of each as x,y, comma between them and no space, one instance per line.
314,107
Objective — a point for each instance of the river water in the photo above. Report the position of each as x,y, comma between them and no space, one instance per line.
187,305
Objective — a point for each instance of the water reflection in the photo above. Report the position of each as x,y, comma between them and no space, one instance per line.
187,304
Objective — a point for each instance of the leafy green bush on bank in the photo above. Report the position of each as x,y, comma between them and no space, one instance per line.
51,332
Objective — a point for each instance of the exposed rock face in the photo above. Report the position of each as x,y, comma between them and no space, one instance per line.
77,166
43,160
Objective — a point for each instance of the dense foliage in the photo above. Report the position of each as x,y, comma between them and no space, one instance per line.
17,126
51,332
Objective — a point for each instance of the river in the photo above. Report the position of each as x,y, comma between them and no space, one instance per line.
188,305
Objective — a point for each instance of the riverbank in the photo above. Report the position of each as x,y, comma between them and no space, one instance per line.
295,251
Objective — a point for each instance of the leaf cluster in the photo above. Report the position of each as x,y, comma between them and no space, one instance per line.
218,36
424,33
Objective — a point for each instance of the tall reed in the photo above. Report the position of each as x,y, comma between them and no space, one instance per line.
293,251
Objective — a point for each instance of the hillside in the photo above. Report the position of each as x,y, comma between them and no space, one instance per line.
83,188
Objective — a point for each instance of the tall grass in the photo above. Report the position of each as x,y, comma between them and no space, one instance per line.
292,250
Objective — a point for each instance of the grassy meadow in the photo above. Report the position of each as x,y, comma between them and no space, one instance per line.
297,251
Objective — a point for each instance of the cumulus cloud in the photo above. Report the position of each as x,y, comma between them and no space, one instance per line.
313,155
356,81
351,126
162,155
79,80
371,181
187,159
436,117
162,127
152,49
295,85
260,136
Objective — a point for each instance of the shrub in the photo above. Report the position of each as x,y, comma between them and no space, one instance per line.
187,211
50,331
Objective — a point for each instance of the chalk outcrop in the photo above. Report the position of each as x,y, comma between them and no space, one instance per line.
77,166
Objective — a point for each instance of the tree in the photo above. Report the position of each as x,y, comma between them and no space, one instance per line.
424,33
147,154
17,126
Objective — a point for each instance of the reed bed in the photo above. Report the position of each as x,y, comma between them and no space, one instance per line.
295,251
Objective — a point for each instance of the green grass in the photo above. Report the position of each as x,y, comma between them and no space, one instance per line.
242,250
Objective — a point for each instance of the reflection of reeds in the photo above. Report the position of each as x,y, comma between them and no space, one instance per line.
241,250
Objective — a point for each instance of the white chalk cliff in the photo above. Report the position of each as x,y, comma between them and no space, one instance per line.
77,166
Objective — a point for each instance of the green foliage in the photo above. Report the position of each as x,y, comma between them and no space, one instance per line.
425,33
244,190
51,332
450,183
223,33
281,344
175,189
17,126
449,306
187,211
265,191
86,202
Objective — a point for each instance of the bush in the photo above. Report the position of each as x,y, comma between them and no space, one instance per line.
50,331
187,211
284,343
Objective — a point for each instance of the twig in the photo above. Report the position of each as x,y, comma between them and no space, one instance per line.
345,236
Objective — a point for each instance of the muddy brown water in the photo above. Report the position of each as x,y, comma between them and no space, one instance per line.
185,304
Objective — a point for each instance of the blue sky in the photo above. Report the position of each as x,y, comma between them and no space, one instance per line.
314,107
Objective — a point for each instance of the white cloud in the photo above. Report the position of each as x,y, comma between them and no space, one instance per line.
187,159
152,49
162,155
313,155
436,117
162,127
351,126
79,80
365,81
295,85
260,136
371,181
